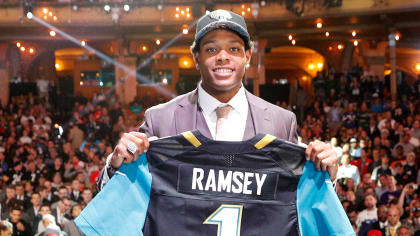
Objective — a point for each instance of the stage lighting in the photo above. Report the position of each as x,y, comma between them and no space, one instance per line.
290,37
355,43
126,7
293,42
28,9
159,7
327,34
18,44
75,7
83,43
52,33
22,49
107,8
157,42
31,51
185,31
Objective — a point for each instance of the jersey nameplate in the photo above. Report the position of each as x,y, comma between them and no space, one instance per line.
227,182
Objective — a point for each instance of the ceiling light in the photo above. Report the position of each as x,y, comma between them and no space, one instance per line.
126,7
75,7
18,45
31,50
157,42
185,31
45,10
29,15
319,25
107,8
50,13
290,37
22,49
52,33
83,43
355,43
55,18
340,47
327,34
397,36
353,33
293,42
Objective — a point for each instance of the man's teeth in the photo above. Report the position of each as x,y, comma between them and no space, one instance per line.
223,70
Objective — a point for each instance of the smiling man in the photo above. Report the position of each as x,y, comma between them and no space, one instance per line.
220,108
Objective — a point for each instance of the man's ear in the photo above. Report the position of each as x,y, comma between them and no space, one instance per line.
248,54
196,61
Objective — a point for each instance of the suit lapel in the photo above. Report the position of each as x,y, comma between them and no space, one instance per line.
185,114
260,115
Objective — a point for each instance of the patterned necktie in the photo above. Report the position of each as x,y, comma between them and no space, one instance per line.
222,114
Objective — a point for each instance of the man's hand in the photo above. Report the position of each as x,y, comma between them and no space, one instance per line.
121,154
324,157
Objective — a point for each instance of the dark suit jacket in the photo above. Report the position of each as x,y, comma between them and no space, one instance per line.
183,114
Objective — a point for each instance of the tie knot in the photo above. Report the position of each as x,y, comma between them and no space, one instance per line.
222,112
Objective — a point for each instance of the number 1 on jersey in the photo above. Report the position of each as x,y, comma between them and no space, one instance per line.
228,220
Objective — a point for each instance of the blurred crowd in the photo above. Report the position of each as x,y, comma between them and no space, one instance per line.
377,141
48,168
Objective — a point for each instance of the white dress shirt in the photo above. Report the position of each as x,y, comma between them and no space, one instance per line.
236,120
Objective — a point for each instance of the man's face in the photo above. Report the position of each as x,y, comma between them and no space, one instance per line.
75,185
370,202
45,210
36,199
20,190
65,205
352,216
382,214
10,193
393,216
222,61
87,196
15,216
404,232
62,192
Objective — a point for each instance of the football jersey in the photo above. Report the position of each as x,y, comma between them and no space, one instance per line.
190,185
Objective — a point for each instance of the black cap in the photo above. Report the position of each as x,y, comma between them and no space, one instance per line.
222,19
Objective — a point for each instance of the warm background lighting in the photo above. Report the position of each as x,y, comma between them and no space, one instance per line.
340,46
327,34
52,33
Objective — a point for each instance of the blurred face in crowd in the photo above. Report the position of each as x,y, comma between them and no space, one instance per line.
45,210
367,179
350,183
15,216
62,192
64,205
370,202
87,195
57,178
75,211
47,184
403,231
36,199
10,193
75,185
20,190
350,196
382,213
384,181
352,216
393,216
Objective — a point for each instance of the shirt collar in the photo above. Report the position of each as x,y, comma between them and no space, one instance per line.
208,103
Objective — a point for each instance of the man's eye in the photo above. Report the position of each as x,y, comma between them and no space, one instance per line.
234,49
211,50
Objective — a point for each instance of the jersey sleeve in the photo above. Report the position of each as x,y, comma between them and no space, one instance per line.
121,207
319,210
